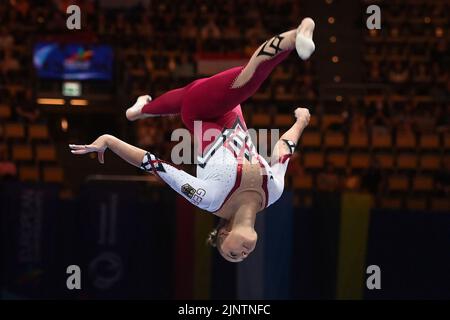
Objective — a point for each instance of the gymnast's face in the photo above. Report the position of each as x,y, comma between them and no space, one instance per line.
236,244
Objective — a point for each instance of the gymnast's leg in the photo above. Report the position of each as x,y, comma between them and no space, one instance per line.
210,98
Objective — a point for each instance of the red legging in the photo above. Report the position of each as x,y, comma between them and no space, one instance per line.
213,100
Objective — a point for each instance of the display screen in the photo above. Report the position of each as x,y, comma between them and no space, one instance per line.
73,61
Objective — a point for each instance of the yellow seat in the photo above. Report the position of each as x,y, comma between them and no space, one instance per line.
423,183
22,153
45,153
407,161
360,160
311,139
53,174
429,141
28,173
313,160
38,131
339,160
334,140
398,183
14,131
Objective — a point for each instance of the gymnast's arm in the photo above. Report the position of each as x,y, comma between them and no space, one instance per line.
199,192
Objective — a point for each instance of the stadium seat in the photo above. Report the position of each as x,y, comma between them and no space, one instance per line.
311,139
429,142
22,152
313,160
334,140
381,140
360,160
398,183
339,160
284,120
305,182
261,120
429,162
391,203
28,173
330,119
447,141
5,111
38,132
440,204
416,203
423,183
53,174
14,131
385,160
405,141
45,153
356,141
407,161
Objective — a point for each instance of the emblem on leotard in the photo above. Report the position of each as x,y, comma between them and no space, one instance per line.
274,44
196,196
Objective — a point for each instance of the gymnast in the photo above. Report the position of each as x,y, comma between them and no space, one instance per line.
233,181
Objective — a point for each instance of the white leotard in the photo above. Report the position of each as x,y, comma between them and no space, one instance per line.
217,171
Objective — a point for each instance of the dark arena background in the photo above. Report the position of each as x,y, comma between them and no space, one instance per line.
366,195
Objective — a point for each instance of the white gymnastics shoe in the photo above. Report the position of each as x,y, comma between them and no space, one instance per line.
135,112
303,41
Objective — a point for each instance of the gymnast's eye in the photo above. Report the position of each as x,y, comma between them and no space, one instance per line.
233,255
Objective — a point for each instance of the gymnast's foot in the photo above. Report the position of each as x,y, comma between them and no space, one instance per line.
135,112
303,41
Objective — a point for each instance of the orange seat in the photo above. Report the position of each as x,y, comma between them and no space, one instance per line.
14,131
416,203
407,161
381,140
423,183
440,204
391,203
360,160
22,152
429,141
398,183
358,141
28,173
386,160
313,160
330,119
305,182
284,120
53,174
430,162
339,160
261,120
447,141
334,140
5,111
405,141
45,153
310,139
38,131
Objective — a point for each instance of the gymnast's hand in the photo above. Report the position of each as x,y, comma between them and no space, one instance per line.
100,145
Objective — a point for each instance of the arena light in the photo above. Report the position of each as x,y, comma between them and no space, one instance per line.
79,102
331,20
335,59
51,101
333,39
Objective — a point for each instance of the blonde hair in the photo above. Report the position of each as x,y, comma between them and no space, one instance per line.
213,236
